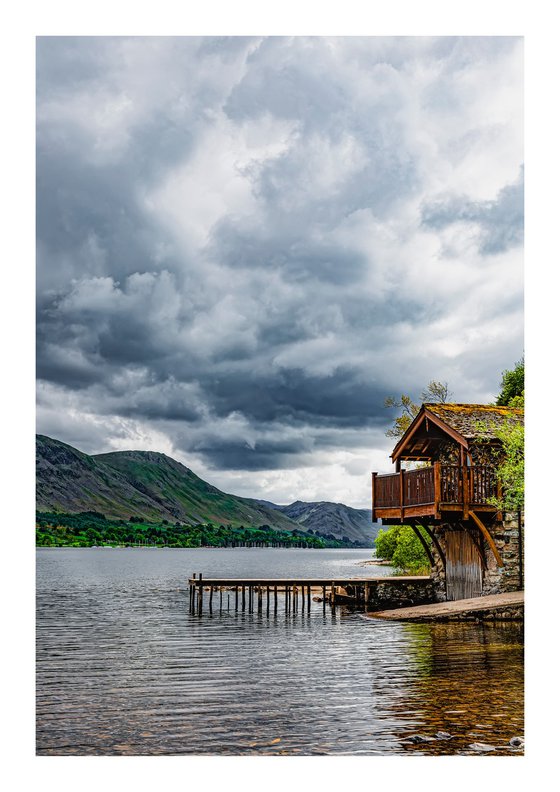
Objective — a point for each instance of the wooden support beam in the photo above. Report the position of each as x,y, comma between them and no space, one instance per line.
437,545
488,536
424,544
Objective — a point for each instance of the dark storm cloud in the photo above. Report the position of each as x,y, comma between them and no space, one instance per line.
237,237
500,222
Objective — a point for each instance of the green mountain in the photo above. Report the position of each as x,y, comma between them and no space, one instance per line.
141,484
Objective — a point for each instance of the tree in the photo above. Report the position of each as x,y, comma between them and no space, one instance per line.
400,545
434,392
513,386
510,460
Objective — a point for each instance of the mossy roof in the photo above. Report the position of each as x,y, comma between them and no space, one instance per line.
475,420
464,423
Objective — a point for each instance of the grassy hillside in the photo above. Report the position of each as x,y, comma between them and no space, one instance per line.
143,488
144,485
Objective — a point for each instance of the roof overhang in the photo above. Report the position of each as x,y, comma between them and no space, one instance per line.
425,415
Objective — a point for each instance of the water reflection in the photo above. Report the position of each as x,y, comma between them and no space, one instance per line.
455,688
124,669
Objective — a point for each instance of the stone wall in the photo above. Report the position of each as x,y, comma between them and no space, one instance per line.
395,593
498,614
495,580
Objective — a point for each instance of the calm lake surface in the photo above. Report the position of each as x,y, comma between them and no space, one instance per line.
124,669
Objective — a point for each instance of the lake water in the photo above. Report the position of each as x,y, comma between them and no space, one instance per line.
124,669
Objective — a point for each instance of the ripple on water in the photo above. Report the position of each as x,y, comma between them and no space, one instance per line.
123,668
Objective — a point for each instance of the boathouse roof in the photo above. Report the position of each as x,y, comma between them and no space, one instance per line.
461,422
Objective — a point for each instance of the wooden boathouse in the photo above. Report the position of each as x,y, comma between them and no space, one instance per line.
474,549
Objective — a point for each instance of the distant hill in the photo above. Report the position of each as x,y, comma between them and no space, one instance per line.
142,484
151,486
332,520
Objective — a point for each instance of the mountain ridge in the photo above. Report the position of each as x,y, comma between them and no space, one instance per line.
151,486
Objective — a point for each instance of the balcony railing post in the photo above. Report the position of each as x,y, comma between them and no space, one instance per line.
401,474
373,482
466,493
437,488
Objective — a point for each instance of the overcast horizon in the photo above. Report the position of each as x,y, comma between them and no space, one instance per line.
245,244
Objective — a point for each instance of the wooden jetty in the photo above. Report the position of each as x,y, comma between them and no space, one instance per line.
264,594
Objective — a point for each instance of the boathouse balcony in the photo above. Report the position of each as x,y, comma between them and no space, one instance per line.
435,492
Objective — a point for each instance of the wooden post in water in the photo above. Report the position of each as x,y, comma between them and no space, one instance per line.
236,597
221,592
267,600
309,599
366,596
259,601
243,598
210,598
333,597
324,598
275,599
200,593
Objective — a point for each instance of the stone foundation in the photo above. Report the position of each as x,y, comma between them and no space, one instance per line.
495,579
395,592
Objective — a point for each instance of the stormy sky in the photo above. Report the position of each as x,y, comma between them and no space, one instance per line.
245,244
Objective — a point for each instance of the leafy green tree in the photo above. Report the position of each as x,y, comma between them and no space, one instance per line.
386,542
513,386
400,545
434,392
510,467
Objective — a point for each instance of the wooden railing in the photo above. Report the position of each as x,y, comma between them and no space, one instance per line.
418,487
440,484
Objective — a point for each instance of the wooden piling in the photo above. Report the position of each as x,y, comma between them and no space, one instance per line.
236,597
243,598
210,598
309,599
